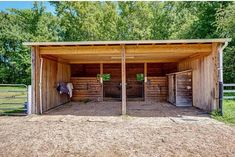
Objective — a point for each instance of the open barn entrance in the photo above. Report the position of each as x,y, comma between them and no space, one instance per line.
112,85
182,72
135,81
85,80
134,77
144,81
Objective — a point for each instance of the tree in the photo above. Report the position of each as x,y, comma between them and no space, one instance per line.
83,21
226,28
16,27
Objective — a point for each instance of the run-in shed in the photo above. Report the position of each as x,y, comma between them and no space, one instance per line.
183,72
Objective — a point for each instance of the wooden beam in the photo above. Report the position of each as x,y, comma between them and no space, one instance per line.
117,55
35,61
101,81
123,80
129,42
145,81
215,97
33,83
81,50
40,85
127,61
180,72
57,59
189,48
195,56
130,49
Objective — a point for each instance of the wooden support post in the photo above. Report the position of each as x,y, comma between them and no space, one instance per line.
123,80
29,98
101,81
35,61
145,81
33,93
215,97
40,85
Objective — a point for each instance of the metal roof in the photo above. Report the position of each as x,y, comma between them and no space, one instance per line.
128,42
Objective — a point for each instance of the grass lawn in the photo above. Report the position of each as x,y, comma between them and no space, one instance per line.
12,100
229,112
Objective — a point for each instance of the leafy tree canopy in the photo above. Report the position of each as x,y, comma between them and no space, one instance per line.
83,21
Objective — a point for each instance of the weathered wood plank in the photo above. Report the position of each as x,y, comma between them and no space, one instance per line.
183,88
189,48
204,79
86,88
53,73
156,89
123,80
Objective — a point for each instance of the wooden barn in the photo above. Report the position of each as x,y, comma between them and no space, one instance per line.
182,72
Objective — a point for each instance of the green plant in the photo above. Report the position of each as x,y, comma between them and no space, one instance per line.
140,77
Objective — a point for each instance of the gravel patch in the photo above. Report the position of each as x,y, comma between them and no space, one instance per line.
114,136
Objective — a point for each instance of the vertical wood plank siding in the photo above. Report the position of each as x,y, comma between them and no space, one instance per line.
53,73
205,80
123,51
171,89
35,59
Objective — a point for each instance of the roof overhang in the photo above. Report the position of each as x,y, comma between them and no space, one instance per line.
136,51
128,42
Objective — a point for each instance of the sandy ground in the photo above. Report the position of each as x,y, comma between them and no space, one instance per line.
114,136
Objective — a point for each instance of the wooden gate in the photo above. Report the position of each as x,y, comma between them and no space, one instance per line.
180,88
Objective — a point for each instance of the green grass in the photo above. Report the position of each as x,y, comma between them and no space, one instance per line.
229,94
228,110
9,100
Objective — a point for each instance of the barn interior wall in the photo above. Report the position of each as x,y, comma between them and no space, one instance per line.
204,80
53,73
135,88
156,85
160,69
86,84
85,70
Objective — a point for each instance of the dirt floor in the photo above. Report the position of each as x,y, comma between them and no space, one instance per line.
134,108
194,134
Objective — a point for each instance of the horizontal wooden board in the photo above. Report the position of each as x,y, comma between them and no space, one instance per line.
156,89
134,53
86,88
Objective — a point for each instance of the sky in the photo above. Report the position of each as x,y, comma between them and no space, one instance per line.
23,5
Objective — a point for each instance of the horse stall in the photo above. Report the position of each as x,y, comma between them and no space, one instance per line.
184,73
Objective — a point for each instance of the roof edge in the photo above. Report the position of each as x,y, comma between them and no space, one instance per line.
129,42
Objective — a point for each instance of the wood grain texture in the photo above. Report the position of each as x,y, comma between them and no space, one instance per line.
171,88
123,52
183,90
205,80
156,89
86,88
133,49
133,53
35,60
53,73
